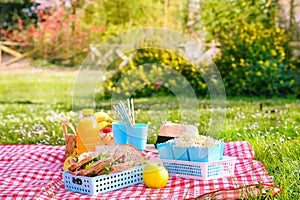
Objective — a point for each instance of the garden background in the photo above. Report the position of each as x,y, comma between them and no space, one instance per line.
256,45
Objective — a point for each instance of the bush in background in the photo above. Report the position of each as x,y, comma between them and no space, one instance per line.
59,37
255,58
148,71
254,61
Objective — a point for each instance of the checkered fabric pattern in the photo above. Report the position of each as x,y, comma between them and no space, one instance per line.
34,172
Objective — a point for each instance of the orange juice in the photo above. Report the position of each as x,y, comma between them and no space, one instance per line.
87,132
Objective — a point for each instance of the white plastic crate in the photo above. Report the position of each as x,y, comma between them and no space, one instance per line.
202,170
103,183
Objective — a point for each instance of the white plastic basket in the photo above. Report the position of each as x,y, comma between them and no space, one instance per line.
202,170
103,183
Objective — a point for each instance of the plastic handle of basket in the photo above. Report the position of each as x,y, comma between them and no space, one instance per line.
66,124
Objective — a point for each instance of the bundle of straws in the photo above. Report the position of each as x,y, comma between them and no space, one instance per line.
126,113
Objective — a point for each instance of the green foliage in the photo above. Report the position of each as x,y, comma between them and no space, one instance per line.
154,72
221,18
255,58
253,61
119,15
9,20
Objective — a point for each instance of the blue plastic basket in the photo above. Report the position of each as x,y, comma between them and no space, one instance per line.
103,183
168,150
202,170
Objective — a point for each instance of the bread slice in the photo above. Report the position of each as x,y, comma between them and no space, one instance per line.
81,163
96,167
130,153
120,167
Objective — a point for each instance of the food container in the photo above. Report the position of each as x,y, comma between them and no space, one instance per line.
201,170
165,150
206,154
168,150
103,183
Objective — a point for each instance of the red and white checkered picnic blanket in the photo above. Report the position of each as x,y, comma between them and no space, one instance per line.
34,172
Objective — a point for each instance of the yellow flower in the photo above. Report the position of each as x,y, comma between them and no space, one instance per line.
127,94
260,62
273,52
277,30
267,63
274,64
233,65
258,73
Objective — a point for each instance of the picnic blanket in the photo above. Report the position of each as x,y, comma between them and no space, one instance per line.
35,172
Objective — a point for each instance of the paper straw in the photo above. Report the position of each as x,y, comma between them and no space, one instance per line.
132,111
129,109
125,113
116,109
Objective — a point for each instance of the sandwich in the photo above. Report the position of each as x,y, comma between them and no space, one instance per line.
112,159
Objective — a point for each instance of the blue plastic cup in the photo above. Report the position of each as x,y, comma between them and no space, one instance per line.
119,132
137,136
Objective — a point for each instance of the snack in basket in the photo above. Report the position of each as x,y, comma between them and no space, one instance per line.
190,146
95,163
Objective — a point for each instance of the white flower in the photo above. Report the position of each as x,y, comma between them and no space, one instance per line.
281,139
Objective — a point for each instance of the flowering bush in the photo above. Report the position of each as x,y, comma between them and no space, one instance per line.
59,37
254,61
154,71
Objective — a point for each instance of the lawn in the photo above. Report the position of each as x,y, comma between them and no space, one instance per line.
33,105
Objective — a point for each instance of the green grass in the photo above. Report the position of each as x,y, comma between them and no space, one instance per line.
33,105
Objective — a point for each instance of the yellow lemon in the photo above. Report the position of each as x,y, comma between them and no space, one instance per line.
155,175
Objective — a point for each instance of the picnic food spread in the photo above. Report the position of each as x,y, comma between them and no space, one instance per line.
100,166
93,131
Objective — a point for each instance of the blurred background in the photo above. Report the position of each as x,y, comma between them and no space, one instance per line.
255,44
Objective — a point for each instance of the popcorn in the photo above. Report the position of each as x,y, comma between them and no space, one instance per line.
188,139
